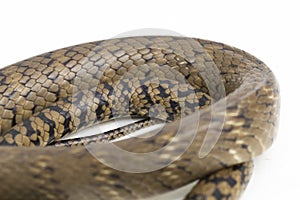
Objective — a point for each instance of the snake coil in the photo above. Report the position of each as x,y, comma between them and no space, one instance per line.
219,106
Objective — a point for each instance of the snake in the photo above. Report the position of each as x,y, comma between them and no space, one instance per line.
214,108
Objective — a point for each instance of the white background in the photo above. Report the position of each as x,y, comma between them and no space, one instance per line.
267,29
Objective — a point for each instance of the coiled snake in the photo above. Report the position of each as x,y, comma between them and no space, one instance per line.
218,106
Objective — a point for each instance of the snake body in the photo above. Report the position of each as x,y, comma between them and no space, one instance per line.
217,100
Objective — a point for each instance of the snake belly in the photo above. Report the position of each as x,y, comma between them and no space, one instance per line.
220,106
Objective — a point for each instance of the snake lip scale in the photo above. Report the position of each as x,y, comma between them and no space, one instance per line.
219,107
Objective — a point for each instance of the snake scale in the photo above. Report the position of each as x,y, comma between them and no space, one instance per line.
219,107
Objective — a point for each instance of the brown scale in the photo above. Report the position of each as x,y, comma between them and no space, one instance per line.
178,80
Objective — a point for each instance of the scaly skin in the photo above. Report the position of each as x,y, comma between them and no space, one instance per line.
208,91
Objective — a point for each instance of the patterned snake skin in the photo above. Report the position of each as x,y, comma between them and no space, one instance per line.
219,108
